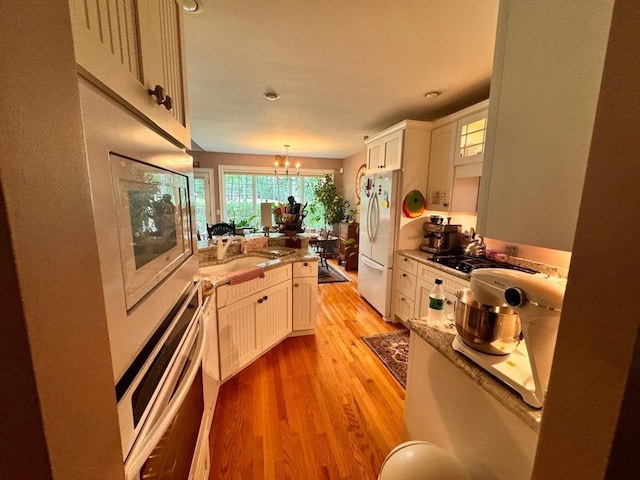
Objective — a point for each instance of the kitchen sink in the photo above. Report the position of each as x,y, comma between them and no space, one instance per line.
233,265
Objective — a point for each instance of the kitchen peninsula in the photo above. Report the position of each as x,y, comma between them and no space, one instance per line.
258,295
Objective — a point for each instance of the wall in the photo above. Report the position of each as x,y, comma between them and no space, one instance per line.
214,159
58,402
590,405
351,166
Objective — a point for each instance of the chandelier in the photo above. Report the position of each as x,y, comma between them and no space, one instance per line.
285,174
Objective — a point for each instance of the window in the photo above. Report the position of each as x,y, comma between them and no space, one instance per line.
203,182
243,189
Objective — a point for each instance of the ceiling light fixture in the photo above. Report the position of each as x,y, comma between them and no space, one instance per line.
432,94
272,96
286,165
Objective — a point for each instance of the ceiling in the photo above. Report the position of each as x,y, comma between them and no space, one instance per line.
343,70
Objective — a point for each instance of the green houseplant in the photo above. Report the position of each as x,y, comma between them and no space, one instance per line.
334,204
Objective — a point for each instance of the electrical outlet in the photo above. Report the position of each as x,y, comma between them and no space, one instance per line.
511,250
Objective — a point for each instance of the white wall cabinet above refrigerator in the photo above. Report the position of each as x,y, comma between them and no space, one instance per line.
398,146
544,94
127,48
455,161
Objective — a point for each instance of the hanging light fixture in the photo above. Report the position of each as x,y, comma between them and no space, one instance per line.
286,165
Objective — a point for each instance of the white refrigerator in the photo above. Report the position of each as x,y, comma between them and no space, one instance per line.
379,212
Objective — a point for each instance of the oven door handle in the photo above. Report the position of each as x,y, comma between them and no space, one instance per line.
151,435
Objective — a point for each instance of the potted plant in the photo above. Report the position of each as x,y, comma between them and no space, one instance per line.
334,204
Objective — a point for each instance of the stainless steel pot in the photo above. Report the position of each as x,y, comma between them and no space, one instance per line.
486,328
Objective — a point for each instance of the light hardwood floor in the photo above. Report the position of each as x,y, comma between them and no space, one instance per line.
314,407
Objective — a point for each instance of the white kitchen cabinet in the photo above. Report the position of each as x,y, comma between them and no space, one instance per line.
405,145
385,153
127,48
274,315
238,335
305,297
444,406
426,278
440,182
544,93
210,357
404,288
455,160
252,317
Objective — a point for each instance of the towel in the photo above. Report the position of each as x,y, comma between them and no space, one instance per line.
244,275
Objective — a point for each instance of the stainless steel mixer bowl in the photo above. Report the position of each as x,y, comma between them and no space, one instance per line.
489,329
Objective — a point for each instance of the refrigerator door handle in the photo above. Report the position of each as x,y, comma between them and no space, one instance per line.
371,264
373,217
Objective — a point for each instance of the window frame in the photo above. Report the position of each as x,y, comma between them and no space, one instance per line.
257,170
209,192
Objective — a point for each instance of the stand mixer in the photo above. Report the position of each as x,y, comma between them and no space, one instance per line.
537,300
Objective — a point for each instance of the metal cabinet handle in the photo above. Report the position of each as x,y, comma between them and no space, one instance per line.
296,285
404,274
260,300
161,98
265,298
305,264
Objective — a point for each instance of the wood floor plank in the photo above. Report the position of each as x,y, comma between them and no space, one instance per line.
314,407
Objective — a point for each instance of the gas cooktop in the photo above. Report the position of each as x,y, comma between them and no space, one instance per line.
466,264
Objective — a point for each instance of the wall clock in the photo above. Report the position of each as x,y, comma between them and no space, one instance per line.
359,174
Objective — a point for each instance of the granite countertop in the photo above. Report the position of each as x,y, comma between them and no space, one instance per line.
273,258
441,339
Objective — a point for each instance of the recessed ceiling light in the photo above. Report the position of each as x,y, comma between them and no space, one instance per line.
273,96
432,94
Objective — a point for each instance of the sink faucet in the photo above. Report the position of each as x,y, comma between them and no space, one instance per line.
221,247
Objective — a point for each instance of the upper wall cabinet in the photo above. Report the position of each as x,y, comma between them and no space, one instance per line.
385,153
544,93
455,162
133,50
404,146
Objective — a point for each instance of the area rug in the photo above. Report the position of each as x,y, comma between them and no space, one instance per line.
329,274
392,348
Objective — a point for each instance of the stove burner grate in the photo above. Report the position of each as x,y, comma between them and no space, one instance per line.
466,264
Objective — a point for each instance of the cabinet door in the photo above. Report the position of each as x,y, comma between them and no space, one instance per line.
126,48
470,139
239,341
393,151
305,303
440,180
403,306
274,317
421,302
374,156
210,356
544,94
161,40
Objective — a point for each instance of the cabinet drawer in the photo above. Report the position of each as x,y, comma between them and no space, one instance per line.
305,269
450,283
405,283
407,264
227,294
402,306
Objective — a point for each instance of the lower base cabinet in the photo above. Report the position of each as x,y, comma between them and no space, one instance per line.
305,297
252,325
446,407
